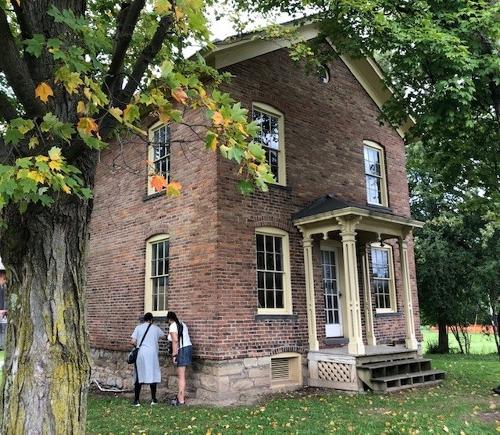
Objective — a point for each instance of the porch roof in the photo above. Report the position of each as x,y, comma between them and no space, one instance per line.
329,206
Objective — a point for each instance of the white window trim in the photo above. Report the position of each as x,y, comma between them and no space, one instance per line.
392,282
266,108
148,288
383,174
287,283
151,130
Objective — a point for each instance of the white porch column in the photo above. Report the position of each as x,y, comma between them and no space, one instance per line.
355,346
411,341
370,330
310,297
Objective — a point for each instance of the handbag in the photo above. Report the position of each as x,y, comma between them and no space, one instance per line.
132,356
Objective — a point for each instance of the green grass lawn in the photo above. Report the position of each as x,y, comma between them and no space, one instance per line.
464,403
480,343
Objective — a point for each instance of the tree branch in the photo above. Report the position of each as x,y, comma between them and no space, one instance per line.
16,71
145,58
23,21
7,110
126,22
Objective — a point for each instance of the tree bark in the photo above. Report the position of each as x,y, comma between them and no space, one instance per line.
443,345
47,367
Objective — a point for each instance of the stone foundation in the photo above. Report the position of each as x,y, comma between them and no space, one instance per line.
215,382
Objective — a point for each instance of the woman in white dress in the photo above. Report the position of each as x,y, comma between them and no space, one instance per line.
182,353
147,366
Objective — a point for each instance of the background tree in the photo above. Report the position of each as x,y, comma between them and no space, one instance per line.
73,74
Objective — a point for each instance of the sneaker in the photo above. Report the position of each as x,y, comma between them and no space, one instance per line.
136,403
175,402
154,402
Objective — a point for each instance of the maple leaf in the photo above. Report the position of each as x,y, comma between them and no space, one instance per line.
44,91
174,188
37,176
80,107
162,7
66,188
164,116
55,165
217,118
179,95
211,141
88,125
117,113
158,182
55,154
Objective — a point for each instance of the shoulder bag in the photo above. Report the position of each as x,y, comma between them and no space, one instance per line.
132,356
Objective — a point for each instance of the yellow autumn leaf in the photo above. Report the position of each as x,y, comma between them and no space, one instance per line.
55,165
81,107
66,188
88,125
55,154
162,7
35,175
33,142
43,91
242,129
212,142
117,113
174,188
179,95
178,13
164,116
217,118
39,159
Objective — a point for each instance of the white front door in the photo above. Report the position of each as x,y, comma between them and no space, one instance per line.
331,288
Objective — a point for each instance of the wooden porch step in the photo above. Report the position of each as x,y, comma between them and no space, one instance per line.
377,365
406,380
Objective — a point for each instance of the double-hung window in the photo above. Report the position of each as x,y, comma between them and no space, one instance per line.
273,272
376,185
271,138
383,287
159,153
157,274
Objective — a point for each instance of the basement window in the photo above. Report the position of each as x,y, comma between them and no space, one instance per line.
286,370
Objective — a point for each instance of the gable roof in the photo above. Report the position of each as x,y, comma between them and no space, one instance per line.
237,49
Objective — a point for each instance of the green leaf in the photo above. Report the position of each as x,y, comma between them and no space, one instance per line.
245,187
34,46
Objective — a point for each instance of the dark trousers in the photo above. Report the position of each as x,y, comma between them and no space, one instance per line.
137,391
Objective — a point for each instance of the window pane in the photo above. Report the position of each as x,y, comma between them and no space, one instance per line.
269,281
279,300
262,300
278,280
269,244
270,261
260,242
260,261
260,280
270,299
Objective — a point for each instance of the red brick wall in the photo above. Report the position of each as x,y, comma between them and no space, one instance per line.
325,125
212,228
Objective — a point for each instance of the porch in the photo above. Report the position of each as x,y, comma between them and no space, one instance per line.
343,231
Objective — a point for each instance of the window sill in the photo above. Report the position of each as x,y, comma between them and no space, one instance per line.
382,208
388,314
280,187
336,341
153,195
264,317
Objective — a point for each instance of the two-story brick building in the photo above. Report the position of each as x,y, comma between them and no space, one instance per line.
310,283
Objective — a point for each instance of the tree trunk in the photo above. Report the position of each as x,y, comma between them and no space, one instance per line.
47,367
443,345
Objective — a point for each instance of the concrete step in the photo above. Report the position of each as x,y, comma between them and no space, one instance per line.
406,380
378,365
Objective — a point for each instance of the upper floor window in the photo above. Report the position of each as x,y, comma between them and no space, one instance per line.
376,185
159,153
157,274
271,137
273,272
383,286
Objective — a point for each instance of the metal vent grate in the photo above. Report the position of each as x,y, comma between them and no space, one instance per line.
280,369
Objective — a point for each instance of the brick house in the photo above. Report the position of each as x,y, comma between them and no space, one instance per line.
312,283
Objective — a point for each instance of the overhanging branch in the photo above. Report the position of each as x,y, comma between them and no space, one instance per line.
16,71
143,61
126,22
